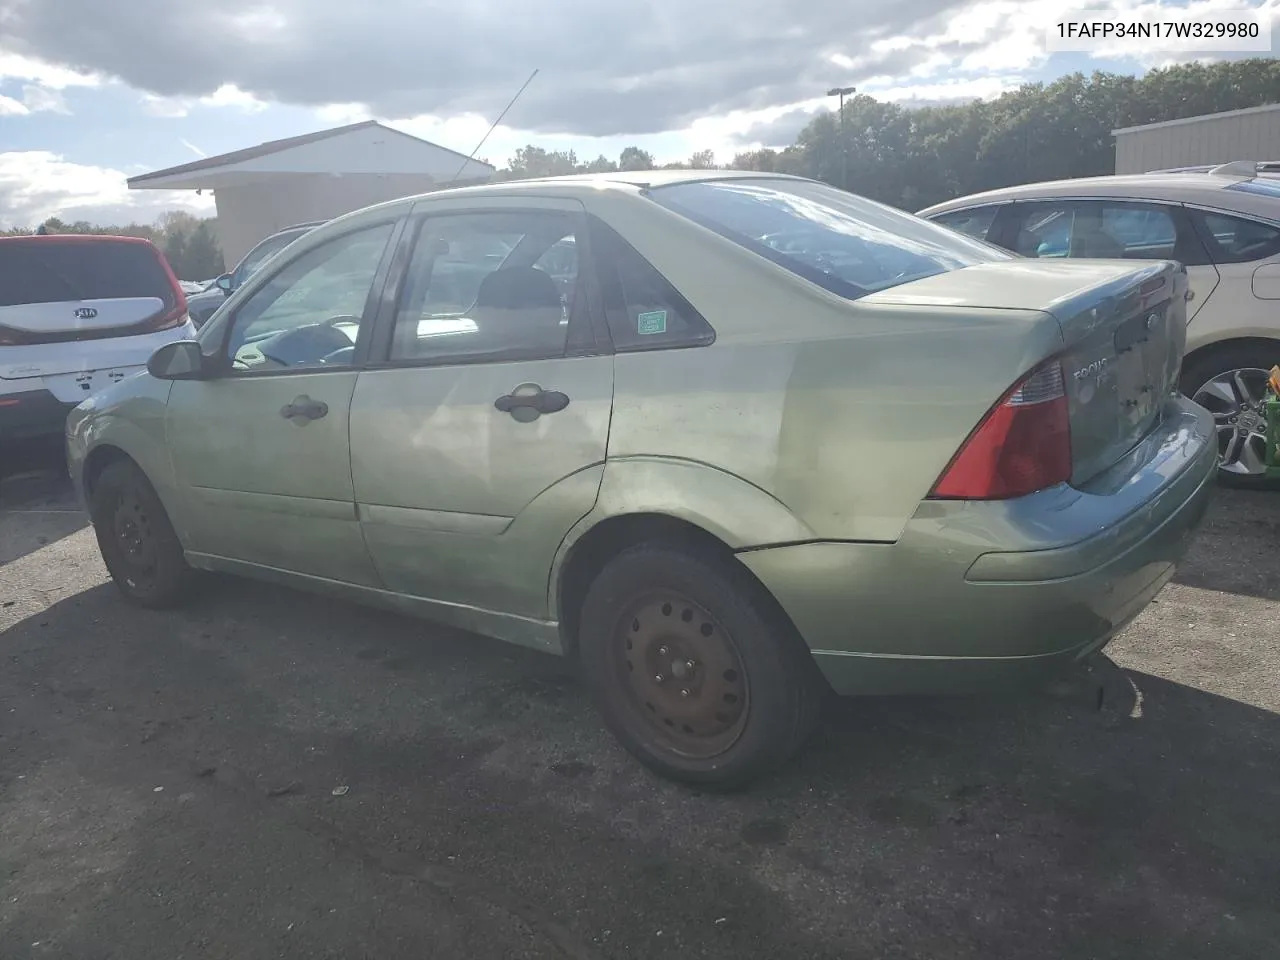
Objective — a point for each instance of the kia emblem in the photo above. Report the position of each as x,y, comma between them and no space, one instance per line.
86,313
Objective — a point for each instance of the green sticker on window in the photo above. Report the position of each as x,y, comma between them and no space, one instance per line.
655,321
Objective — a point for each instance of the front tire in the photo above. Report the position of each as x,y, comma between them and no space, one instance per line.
137,541
693,669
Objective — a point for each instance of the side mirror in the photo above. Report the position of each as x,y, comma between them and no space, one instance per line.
181,360
224,283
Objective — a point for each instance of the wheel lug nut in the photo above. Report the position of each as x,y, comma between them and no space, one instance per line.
662,650
684,692
659,678
689,664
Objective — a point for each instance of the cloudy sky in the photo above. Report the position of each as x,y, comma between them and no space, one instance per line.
91,92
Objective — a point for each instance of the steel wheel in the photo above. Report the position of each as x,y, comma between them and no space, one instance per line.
1235,398
682,675
135,537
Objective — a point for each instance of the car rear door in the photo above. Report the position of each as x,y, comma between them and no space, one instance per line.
479,428
262,452
1112,228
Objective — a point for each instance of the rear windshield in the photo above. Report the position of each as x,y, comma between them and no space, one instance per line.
46,271
837,240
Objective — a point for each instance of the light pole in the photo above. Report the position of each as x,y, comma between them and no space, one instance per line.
843,92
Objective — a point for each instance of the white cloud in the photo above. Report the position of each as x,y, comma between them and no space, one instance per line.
193,148
37,98
16,67
38,184
10,107
228,96
343,113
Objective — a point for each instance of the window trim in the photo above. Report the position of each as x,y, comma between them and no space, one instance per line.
705,339
585,314
222,368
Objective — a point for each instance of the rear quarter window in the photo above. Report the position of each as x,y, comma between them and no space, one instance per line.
1232,239
47,271
844,243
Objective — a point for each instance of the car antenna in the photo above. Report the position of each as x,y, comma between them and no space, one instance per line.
492,127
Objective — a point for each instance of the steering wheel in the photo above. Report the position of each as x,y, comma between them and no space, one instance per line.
316,342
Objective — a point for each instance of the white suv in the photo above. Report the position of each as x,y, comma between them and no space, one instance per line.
1223,226
78,313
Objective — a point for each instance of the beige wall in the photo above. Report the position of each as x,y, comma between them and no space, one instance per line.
1247,136
249,213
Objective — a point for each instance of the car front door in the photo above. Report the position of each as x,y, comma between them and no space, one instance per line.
1112,229
479,427
261,450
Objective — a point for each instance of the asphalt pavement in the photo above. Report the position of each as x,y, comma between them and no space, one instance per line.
267,774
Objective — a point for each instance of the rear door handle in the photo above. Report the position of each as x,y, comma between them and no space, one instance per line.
529,401
304,409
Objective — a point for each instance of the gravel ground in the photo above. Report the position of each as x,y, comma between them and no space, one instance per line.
267,774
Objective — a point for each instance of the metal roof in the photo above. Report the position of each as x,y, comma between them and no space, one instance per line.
280,146
1266,108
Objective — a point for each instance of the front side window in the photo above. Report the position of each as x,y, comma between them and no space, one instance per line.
975,222
309,313
844,243
1237,239
494,286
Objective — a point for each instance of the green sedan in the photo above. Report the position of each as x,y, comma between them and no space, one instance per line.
732,441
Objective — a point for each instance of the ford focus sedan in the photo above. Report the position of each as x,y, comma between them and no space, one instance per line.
732,441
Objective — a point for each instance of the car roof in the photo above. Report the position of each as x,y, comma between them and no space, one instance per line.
75,238
574,186
1205,188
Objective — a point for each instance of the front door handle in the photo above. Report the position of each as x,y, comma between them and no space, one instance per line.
304,409
529,401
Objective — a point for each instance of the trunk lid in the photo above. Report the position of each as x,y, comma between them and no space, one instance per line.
66,318
1123,327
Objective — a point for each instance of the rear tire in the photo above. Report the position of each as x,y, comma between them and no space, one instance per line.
138,543
694,670
1211,380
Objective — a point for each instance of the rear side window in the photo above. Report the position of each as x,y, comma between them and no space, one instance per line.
644,311
974,223
844,243
1106,229
1237,239
49,271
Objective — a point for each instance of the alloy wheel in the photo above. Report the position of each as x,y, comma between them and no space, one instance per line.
1236,398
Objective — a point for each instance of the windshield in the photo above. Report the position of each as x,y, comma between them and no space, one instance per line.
263,252
842,242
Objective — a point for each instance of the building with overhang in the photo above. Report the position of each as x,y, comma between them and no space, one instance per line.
1209,139
316,176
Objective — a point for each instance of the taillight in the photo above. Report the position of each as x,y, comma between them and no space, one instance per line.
176,315
1021,446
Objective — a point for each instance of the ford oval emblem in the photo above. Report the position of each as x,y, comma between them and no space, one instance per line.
86,313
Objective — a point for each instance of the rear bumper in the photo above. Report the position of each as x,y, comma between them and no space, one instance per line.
32,413
976,595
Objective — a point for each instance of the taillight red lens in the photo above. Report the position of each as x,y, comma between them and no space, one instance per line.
1021,446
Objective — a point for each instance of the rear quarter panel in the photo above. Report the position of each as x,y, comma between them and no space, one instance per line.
845,413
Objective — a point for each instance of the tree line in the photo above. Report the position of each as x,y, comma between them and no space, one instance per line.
914,157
